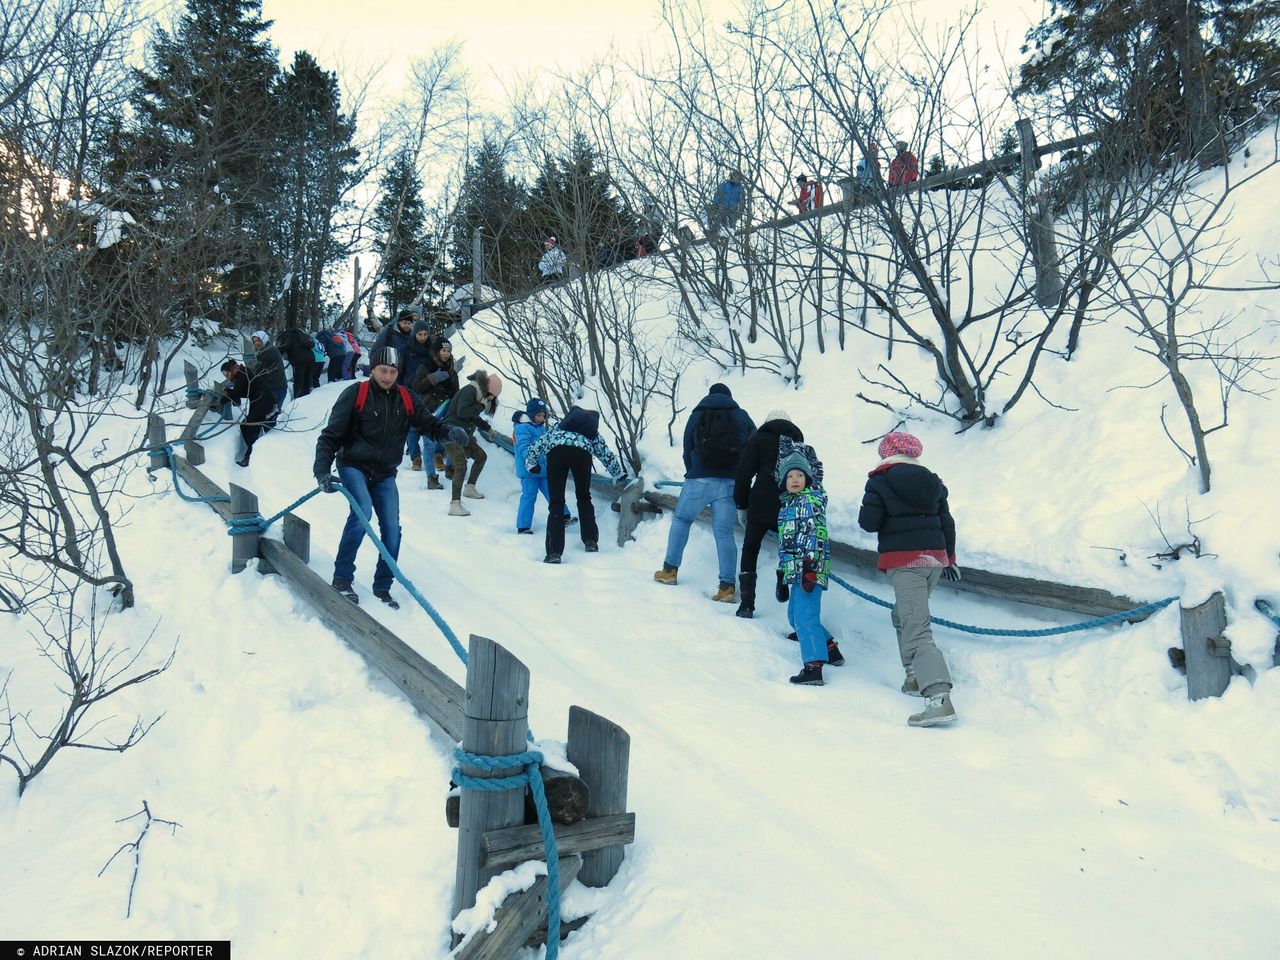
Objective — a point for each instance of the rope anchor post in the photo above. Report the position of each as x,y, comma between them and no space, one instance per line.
245,533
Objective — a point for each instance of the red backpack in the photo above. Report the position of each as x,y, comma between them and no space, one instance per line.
362,397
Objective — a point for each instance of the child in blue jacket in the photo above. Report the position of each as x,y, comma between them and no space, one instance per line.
531,424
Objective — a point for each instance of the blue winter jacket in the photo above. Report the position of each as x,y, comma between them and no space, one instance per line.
693,466
579,428
729,195
526,434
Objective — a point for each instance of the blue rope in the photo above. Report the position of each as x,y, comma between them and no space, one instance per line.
172,461
996,632
531,761
669,483
1266,610
256,524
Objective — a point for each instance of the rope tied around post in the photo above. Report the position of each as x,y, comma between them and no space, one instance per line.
531,762
172,462
998,632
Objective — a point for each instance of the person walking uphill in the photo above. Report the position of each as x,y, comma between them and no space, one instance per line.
905,505
467,409
804,560
269,366
366,432
714,439
755,490
569,447
436,381
528,426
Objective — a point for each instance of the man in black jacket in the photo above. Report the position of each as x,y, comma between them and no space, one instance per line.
755,490
366,432
299,350
269,365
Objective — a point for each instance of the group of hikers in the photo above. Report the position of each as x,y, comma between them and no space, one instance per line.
769,473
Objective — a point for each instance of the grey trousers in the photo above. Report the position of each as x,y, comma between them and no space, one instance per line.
911,589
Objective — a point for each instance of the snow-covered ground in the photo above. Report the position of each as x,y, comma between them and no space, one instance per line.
1080,806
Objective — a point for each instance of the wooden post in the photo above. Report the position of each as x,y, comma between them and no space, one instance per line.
297,537
628,515
601,750
494,724
155,440
1208,653
517,919
244,546
193,383
194,452
1044,246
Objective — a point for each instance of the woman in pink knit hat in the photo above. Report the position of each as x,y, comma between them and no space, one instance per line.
905,505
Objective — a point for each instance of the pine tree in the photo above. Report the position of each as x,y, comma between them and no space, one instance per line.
573,198
316,159
408,258
496,202
1169,74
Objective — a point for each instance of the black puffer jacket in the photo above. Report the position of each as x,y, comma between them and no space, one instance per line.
372,439
755,488
269,366
905,504
428,382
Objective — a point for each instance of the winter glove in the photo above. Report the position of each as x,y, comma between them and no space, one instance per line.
328,483
951,573
535,469
809,577
457,435
782,592
439,376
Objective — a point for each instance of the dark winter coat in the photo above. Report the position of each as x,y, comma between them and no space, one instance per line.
469,407
755,489
579,428
435,381
257,391
298,348
905,505
269,366
372,439
693,466
392,336
415,354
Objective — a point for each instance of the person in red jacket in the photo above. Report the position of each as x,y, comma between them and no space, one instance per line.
904,168
810,195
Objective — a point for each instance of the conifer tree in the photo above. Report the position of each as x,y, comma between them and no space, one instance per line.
494,201
408,258
573,198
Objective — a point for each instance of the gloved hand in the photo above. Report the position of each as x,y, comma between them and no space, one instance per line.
782,591
439,376
458,435
809,577
536,469
951,573
328,483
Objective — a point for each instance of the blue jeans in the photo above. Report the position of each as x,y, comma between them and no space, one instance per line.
530,487
696,494
413,443
380,498
804,613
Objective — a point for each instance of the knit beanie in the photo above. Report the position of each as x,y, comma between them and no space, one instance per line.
720,388
260,335
534,407
389,356
495,384
900,445
795,461
778,415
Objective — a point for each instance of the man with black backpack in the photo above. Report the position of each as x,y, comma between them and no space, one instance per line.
714,438
366,432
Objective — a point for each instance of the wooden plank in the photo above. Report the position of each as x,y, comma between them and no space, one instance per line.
504,849
1208,665
628,516
539,936
244,546
194,452
203,487
193,383
601,750
155,440
494,724
435,695
297,537
568,800
516,920
197,419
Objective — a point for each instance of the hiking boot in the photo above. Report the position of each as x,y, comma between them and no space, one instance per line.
937,710
810,676
551,558
727,593
433,483
666,575
470,490
910,686
591,546
747,595
439,458
456,509
344,588
416,463
525,530
385,597
793,637
570,521
834,656
244,461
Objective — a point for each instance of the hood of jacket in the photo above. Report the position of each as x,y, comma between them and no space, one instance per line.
717,401
912,483
782,428
585,422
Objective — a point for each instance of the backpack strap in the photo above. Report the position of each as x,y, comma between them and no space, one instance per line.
407,399
362,395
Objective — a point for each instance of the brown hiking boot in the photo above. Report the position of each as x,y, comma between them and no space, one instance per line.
417,463
666,575
439,460
727,593
433,483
